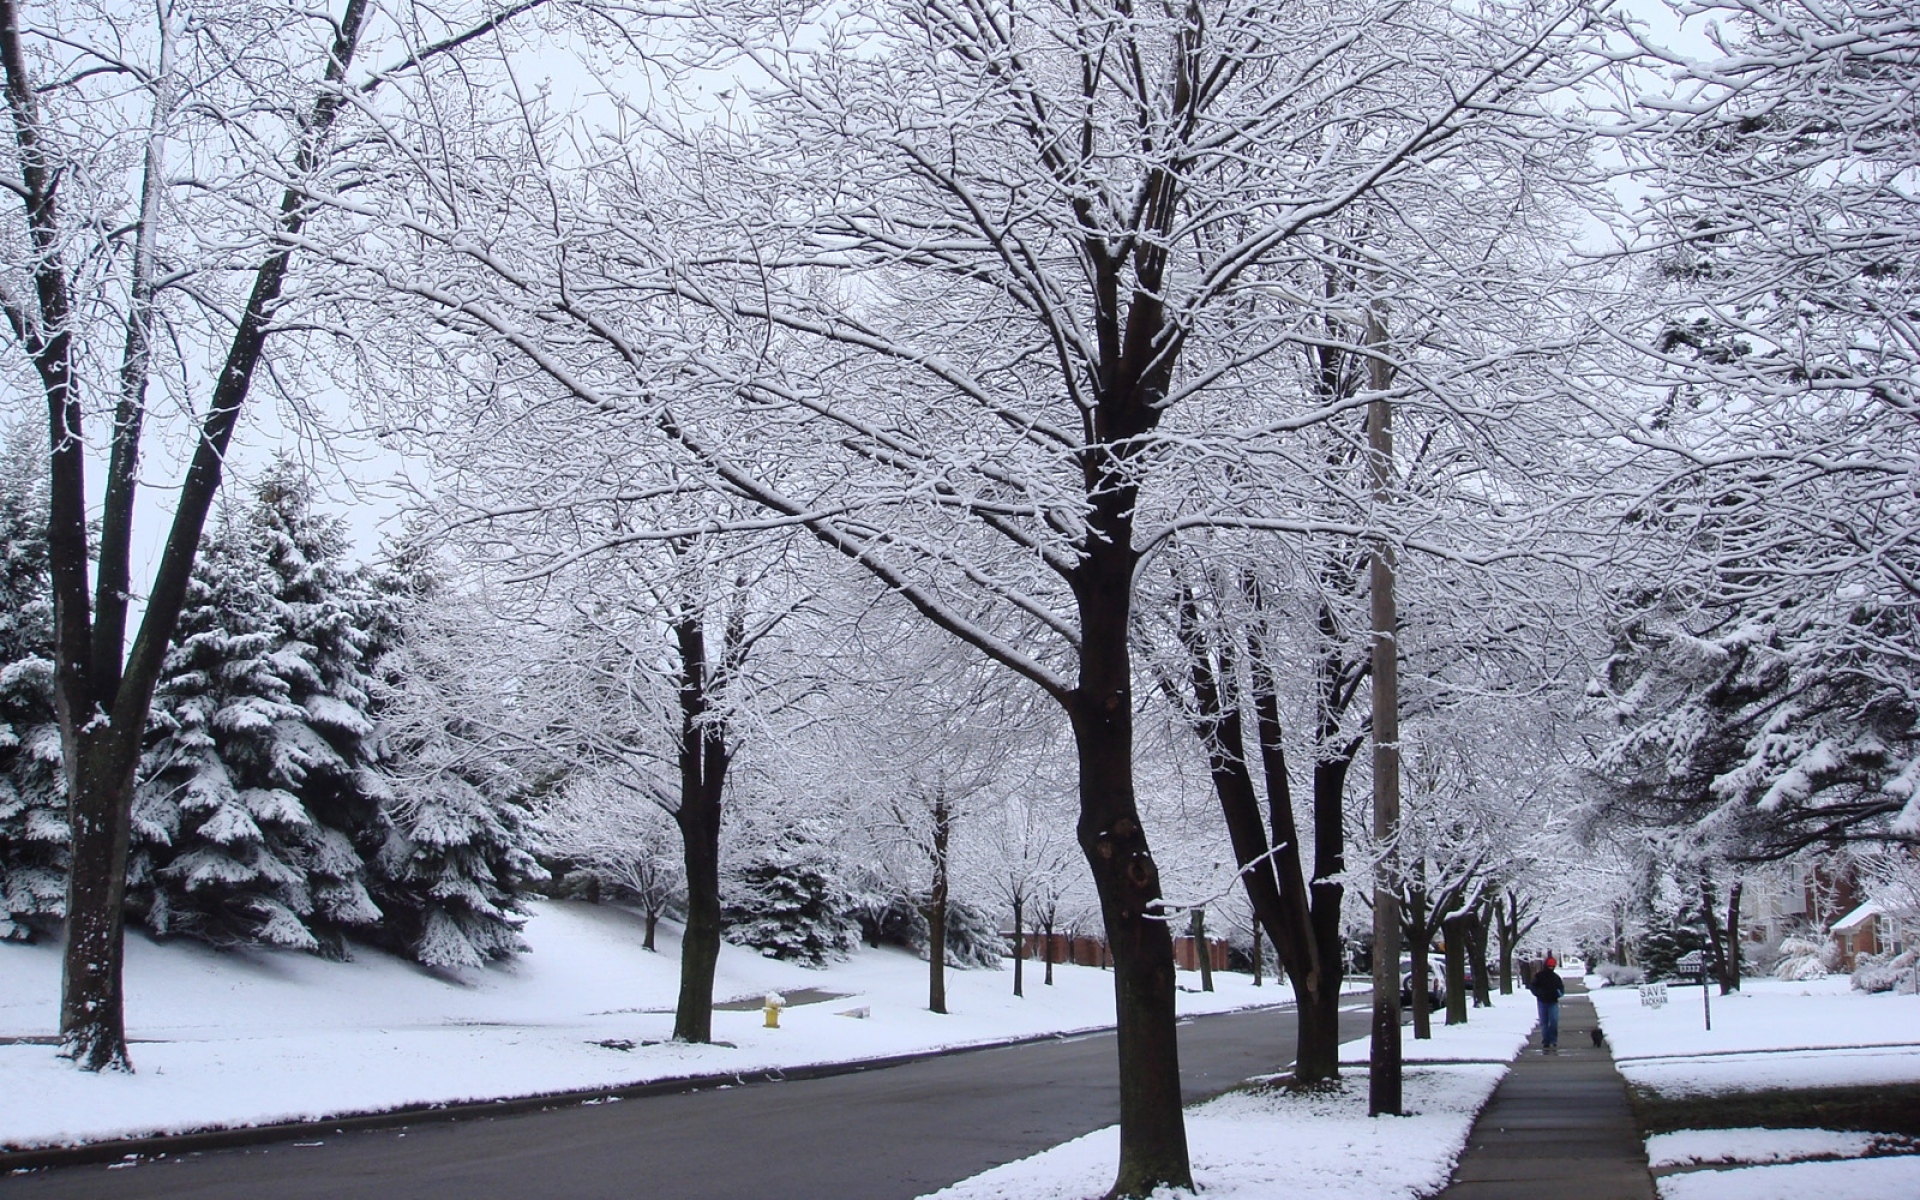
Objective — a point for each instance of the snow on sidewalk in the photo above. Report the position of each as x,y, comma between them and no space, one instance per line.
1253,1144
234,1039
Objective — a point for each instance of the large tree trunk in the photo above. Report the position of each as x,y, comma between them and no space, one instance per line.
99,791
1153,1133
1456,930
700,945
1319,1009
653,925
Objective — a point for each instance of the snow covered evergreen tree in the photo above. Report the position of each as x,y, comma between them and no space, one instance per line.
33,817
457,856
258,803
790,902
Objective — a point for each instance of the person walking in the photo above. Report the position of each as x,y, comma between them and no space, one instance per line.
1547,988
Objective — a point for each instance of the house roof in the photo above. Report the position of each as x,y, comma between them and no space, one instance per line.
1858,917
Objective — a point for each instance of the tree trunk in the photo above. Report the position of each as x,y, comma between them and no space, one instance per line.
1258,954
1203,958
1477,952
1319,1007
1046,953
700,944
653,923
1153,1134
99,791
1730,981
1271,870
704,759
1512,924
1419,934
936,907
1723,942
1019,948
1455,929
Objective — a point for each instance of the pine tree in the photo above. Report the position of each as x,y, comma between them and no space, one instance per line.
458,853
33,817
258,803
790,903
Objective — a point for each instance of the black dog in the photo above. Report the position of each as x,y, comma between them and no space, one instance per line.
1599,1039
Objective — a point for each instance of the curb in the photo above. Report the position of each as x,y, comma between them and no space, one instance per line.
233,1137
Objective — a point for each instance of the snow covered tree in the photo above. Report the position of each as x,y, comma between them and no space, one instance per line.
455,858
976,353
162,163
620,850
258,798
1769,688
791,902
33,816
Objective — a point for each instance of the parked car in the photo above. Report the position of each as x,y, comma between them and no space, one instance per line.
1436,987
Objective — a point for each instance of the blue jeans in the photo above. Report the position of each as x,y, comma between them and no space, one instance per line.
1549,1023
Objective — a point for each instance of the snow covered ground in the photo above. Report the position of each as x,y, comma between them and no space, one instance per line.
1253,1144
1852,1179
1771,1035
225,1039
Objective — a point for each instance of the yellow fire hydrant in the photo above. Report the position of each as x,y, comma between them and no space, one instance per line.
775,1002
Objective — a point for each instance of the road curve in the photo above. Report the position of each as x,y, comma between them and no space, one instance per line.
887,1134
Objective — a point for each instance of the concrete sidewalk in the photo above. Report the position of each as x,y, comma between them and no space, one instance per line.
1558,1125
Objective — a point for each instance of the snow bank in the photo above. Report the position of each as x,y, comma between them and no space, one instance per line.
1254,1144
225,1039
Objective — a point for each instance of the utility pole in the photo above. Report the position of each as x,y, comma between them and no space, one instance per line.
1383,1063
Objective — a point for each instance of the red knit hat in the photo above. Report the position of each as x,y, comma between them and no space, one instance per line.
1551,962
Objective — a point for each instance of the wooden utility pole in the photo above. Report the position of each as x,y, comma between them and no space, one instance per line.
1383,1064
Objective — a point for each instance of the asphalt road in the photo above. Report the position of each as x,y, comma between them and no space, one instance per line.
876,1135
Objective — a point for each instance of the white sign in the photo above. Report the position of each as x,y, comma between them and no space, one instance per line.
1653,995
1691,962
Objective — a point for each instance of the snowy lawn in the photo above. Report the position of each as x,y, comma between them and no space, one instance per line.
1258,1143
1854,1179
1750,1147
1770,1034
226,1039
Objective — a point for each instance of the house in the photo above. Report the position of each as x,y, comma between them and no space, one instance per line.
1780,898
1859,932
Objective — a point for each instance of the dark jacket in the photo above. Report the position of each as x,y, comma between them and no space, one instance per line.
1546,986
